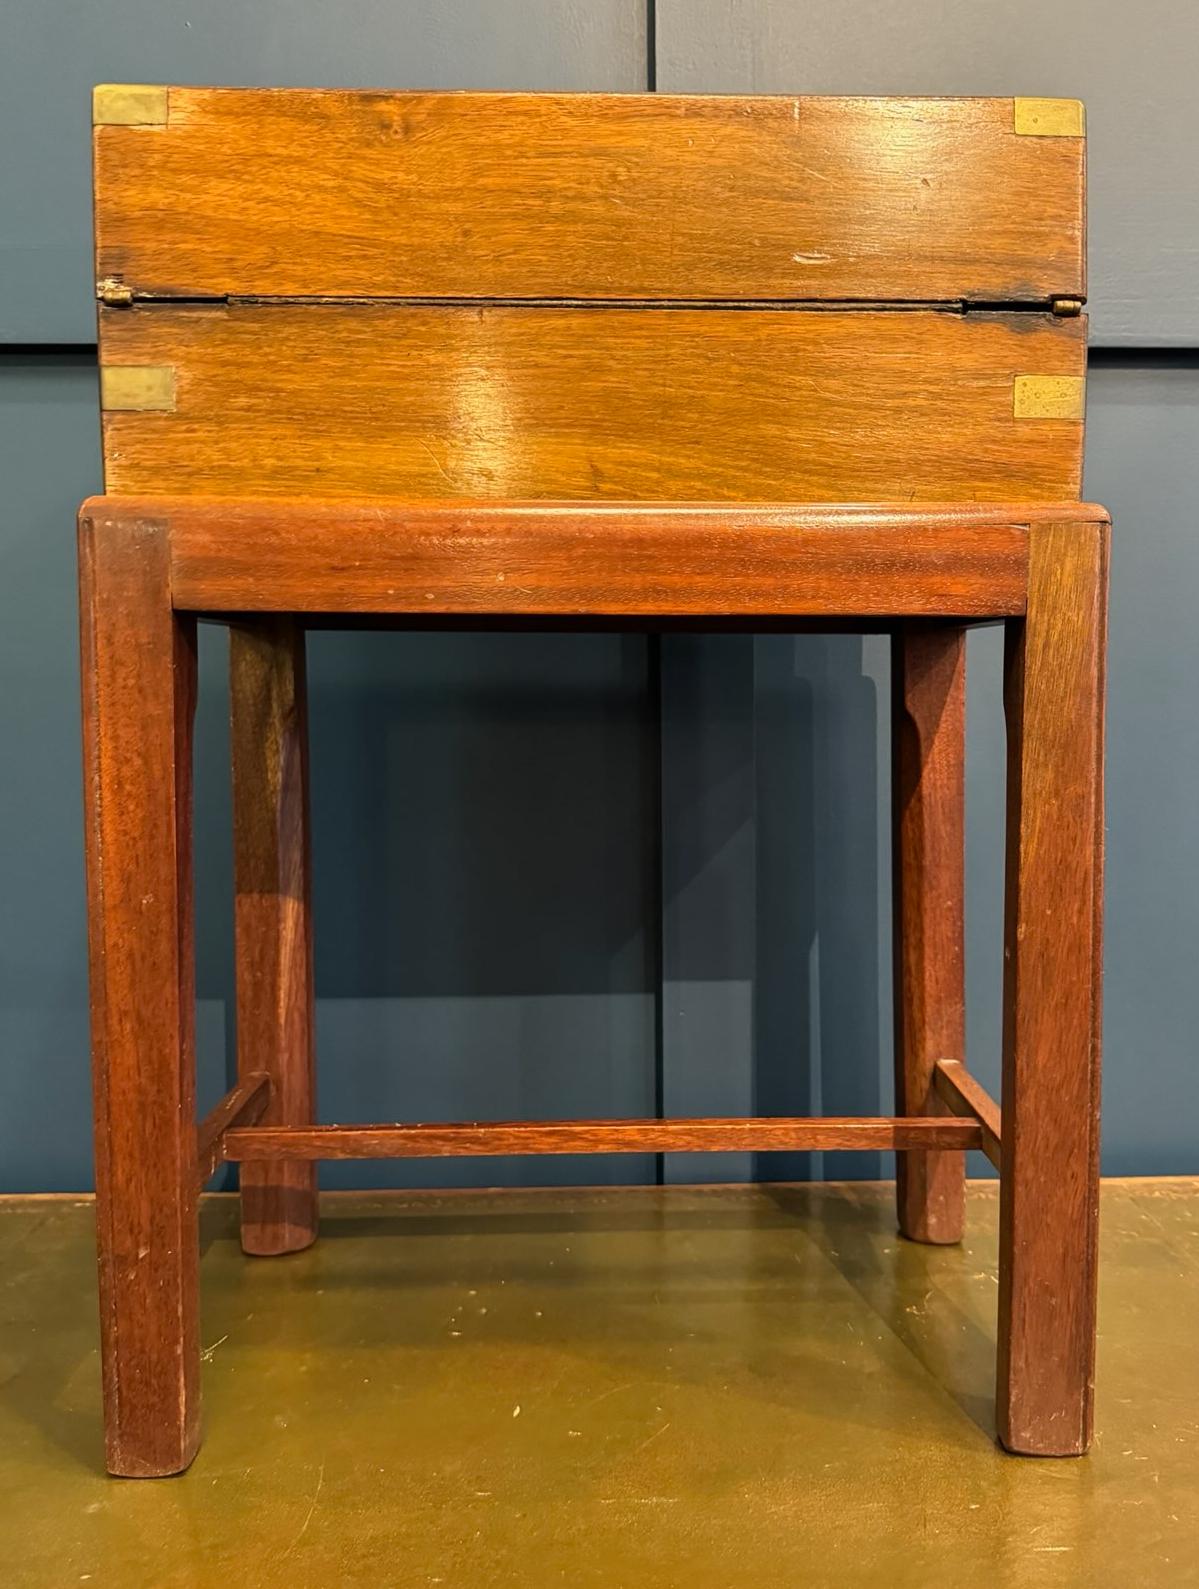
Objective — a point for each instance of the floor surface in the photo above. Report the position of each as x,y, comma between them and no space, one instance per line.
652,1387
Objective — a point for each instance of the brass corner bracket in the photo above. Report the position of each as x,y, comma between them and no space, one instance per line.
139,387
129,105
1049,118
1049,396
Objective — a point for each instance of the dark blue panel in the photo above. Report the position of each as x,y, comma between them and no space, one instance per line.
53,53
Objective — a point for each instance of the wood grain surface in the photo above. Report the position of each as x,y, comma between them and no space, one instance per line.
1049,1177
573,560
478,1138
348,401
268,743
586,358
139,679
963,1095
928,795
242,1105
285,192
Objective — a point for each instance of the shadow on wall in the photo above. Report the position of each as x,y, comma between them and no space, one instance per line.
821,971
486,864
774,970
484,823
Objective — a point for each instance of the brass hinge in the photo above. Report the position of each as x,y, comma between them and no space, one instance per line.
1024,306
114,293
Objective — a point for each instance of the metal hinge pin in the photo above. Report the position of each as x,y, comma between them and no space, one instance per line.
114,293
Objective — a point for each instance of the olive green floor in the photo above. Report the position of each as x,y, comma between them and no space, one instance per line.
653,1387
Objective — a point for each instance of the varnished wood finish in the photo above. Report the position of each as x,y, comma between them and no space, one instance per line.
273,915
287,192
243,1105
963,1095
573,561
928,731
417,358
138,668
417,402
1049,1196
599,1136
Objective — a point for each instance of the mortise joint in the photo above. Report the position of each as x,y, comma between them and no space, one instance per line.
129,105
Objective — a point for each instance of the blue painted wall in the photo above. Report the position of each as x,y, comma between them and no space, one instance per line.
561,874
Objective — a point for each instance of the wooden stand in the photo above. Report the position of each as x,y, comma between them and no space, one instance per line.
420,359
